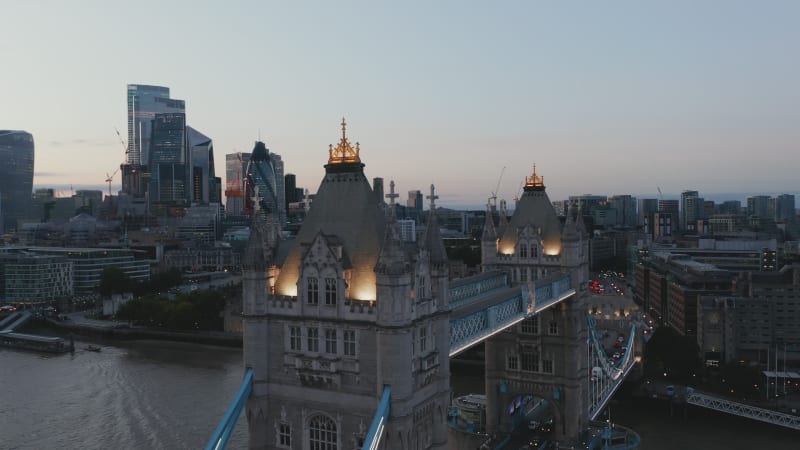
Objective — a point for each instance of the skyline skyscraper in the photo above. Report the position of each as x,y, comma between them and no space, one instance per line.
144,102
16,176
168,160
260,180
235,173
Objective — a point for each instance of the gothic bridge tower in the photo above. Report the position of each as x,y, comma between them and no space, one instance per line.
340,311
544,355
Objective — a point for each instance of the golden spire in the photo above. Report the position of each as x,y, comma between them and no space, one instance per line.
344,152
534,181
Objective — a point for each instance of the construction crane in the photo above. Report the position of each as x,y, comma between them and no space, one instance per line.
493,198
122,141
109,179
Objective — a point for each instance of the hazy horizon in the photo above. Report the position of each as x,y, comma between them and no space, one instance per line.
611,98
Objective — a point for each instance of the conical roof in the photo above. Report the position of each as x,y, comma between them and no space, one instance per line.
535,209
346,207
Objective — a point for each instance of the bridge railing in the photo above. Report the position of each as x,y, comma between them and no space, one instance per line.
743,410
375,433
223,433
613,373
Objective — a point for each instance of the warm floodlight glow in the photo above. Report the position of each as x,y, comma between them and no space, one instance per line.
289,291
552,250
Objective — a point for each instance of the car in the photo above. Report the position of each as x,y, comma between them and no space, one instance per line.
547,426
8,308
621,338
669,390
616,355
617,344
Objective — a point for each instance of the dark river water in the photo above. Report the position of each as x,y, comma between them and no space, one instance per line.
166,395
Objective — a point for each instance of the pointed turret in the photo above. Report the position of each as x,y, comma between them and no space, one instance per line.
433,238
535,210
489,231
570,233
345,206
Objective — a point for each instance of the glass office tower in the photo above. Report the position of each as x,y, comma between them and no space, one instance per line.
260,180
168,162
16,176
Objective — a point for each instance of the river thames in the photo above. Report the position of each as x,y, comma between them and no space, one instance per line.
170,395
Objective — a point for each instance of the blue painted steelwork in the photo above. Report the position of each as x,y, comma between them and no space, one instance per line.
375,433
602,389
743,410
467,331
223,433
529,300
464,293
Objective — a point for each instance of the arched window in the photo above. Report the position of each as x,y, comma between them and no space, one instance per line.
523,250
322,433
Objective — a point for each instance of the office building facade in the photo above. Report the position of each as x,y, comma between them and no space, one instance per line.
16,176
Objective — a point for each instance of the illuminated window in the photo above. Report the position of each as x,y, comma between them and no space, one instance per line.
349,342
322,433
294,339
312,335
330,341
330,291
312,291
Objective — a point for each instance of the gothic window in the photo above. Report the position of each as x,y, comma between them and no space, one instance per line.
523,274
322,433
330,341
534,251
530,326
285,435
530,362
512,362
330,291
313,339
295,339
312,291
423,338
349,342
420,287
553,329
523,250
547,365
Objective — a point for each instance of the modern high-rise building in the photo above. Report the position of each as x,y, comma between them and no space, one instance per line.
260,181
280,188
691,210
625,207
758,206
235,172
290,186
168,168
204,186
785,207
647,207
144,102
16,176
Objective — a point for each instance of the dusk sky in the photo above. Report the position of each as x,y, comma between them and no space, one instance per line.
605,97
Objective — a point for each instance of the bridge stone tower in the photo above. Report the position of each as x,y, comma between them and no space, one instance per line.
544,355
339,312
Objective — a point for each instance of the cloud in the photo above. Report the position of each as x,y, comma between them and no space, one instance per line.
85,142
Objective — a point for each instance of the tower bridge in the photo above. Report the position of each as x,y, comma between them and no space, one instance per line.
348,330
